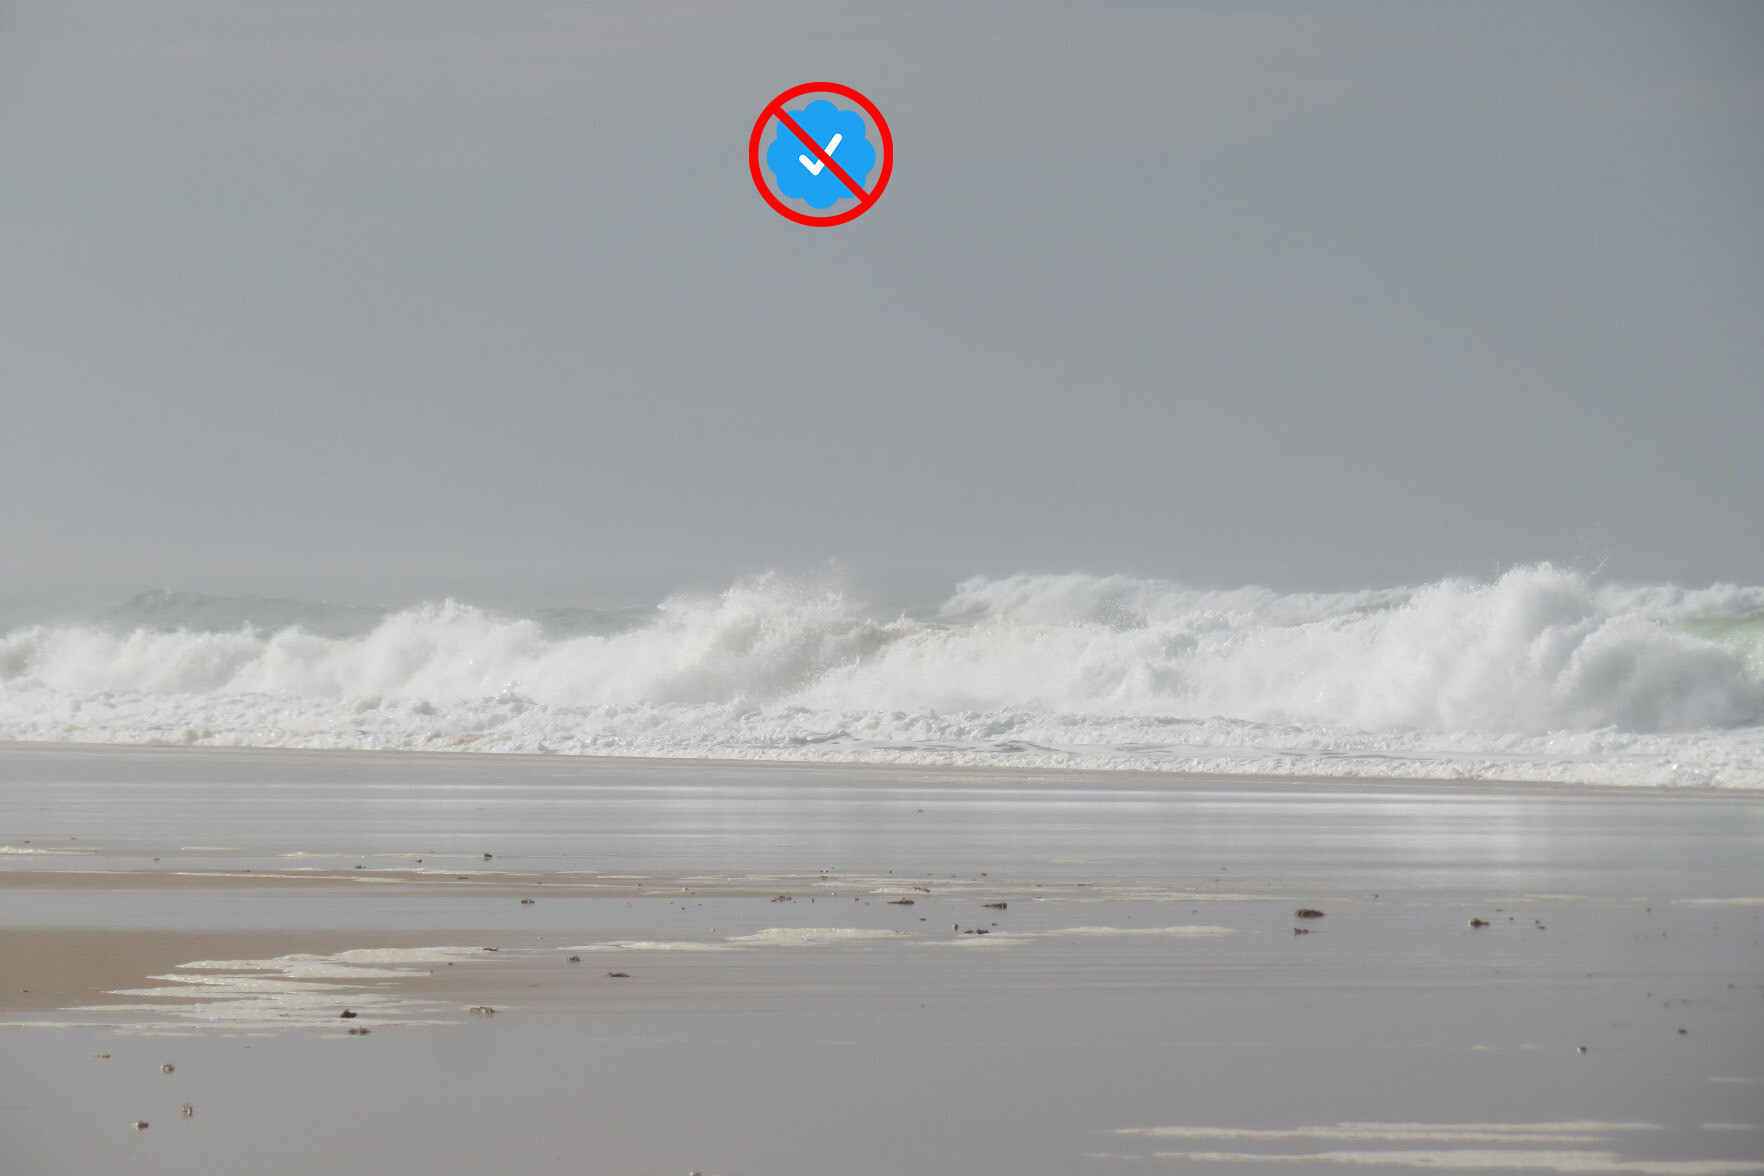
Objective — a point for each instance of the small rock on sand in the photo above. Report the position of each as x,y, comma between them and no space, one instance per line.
140,1124
167,1068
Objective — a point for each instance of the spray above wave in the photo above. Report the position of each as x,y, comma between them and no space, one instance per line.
1105,661
759,640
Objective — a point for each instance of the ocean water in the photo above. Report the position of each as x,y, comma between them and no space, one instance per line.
1542,674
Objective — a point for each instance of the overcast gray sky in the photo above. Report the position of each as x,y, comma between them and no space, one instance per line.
377,297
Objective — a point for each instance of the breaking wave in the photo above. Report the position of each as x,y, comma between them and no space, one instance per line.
1540,674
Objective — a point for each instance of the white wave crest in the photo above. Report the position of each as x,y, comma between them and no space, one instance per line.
1536,668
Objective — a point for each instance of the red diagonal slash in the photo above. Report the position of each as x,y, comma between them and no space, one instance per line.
776,110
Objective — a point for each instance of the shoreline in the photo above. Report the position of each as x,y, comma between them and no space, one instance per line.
970,772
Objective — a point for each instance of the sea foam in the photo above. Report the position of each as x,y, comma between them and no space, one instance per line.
1539,674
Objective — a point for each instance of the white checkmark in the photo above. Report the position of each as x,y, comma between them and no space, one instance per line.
815,165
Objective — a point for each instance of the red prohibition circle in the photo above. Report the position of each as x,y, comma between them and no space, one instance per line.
775,109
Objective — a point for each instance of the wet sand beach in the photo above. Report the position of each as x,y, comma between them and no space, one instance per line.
578,964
